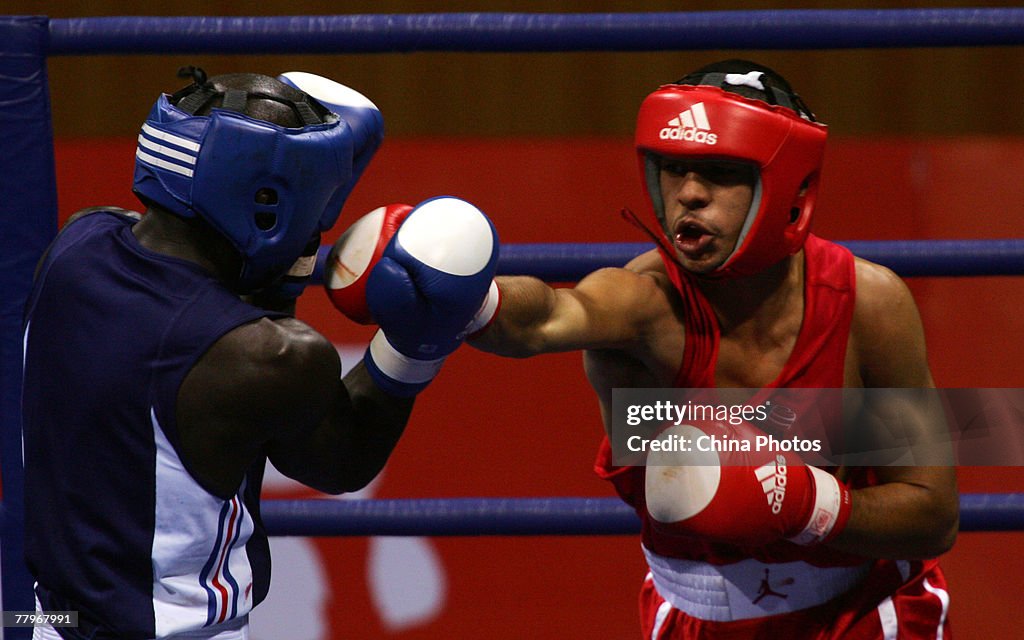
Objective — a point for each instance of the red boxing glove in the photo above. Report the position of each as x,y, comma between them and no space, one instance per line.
739,493
355,254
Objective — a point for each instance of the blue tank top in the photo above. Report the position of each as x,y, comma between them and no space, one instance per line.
116,526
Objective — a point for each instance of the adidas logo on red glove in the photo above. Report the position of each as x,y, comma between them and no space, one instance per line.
749,497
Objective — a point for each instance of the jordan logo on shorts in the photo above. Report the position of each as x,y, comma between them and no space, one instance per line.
766,590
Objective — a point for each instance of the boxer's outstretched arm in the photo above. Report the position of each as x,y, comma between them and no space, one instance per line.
611,308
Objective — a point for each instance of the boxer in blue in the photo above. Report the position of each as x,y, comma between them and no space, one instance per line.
163,365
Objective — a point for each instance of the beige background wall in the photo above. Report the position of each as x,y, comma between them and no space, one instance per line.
858,92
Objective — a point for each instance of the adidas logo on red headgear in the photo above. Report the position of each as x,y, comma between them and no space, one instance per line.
691,125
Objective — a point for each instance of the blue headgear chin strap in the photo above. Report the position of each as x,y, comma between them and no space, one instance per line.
214,166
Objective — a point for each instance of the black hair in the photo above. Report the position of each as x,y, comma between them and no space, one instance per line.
777,89
253,94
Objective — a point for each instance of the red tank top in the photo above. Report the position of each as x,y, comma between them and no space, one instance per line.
817,361
819,355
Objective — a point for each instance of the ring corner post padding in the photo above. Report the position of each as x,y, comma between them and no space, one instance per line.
28,221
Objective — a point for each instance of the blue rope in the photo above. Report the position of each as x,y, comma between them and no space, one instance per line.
568,262
540,32
531,516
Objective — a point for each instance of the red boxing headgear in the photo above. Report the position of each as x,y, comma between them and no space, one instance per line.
706,122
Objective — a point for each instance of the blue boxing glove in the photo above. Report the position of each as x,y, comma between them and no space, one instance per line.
359,113
434,284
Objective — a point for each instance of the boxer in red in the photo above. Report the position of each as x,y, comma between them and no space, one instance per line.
739,294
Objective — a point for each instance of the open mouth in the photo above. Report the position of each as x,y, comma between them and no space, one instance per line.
692,237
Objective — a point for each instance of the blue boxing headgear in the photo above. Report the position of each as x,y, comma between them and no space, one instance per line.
267,188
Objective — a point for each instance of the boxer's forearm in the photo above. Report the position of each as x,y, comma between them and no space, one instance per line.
907,520
527,304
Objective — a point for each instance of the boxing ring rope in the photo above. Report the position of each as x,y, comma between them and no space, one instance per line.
550,516
28,212
568,262
556,516
528,32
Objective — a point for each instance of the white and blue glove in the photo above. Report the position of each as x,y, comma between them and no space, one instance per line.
359,113
430,286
